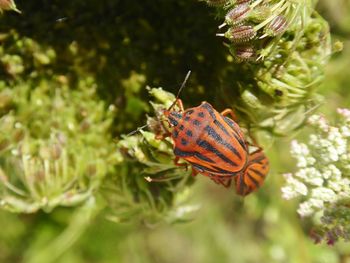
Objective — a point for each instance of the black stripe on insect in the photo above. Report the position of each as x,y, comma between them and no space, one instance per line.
212,133
253,180
207,146
203,169
209,108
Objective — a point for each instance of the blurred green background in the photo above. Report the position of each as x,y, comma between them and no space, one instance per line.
124,46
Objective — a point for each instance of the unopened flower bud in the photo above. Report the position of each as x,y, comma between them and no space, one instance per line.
277,26
244,53
240,34
236,15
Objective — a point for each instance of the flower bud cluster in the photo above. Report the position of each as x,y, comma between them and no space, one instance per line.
284,45
20,55
55,146
257,25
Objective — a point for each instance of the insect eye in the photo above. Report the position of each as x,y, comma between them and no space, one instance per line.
172,121
176,115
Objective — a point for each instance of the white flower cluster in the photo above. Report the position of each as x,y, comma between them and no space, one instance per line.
323,175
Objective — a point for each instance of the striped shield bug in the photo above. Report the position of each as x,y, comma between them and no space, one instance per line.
213,144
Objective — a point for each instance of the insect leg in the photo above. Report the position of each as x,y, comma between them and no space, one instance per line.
226,181
180,105
161,179
229,112
214,178
162,136
194,172
176,162
223,180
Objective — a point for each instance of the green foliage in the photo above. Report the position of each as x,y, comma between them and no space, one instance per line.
55,141
150,159
73,77
281,48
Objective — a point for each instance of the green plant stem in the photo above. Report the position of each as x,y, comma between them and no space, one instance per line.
78,224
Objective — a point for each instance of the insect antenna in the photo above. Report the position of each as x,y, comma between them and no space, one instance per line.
180,89
162,179
137,130
143,126
171,106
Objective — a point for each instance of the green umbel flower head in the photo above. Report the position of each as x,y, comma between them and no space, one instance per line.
55,143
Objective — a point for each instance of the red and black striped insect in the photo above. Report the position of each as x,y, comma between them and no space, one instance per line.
211,142
215,146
